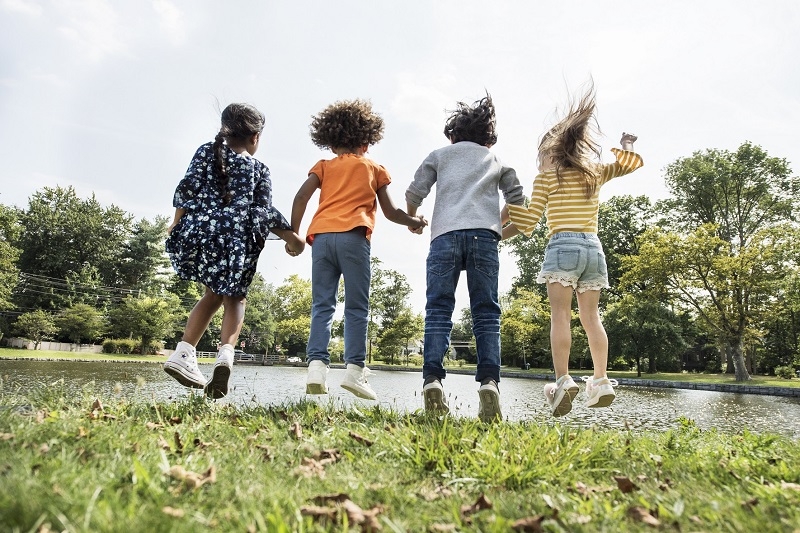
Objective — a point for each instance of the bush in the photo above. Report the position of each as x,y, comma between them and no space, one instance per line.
119,346
784,372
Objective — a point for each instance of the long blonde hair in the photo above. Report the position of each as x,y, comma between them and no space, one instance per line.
570,142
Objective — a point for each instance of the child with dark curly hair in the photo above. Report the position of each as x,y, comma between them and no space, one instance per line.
340,233
465,230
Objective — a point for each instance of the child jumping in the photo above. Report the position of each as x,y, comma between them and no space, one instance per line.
223,215
567,191
340,233
465,230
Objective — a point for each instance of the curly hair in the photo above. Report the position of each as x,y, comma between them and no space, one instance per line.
570,143
239,121
347,124
475,123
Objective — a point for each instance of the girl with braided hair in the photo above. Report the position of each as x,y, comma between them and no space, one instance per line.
223,215
567,191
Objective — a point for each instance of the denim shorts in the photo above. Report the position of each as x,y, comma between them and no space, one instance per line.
575,260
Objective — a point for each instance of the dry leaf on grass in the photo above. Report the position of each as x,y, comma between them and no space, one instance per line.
363,440
178,442
529,524
171,511
153,425
481,503
310,467
296,431
625,485
367,520
191,479
640,514
749,504
6,436
163,444
442,528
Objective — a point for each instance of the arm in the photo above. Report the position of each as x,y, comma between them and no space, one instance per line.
397,215
627,160
294,244
179,212
304,194
510,231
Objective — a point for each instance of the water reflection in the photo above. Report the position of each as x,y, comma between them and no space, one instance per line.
522,399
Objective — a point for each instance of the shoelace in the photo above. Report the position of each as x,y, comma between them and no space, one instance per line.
612,382
364,374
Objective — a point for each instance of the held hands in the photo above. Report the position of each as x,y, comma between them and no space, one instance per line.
295,245
627,141
422,224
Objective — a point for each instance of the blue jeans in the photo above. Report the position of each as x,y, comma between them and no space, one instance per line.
473,250
334,255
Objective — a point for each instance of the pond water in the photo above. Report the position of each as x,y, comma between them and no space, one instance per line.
638,408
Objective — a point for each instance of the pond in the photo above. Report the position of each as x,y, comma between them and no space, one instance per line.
637,408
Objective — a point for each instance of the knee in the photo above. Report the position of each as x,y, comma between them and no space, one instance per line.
233,301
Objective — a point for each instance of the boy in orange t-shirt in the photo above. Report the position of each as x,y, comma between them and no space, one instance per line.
340,233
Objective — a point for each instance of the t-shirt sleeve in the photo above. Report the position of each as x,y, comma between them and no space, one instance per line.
382,177
318,169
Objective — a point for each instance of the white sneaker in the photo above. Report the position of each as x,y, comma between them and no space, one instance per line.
489,401
217,386
182,365
600,391
433,394
559,395
315,381
355,381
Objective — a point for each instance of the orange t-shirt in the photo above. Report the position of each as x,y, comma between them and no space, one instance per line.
348,187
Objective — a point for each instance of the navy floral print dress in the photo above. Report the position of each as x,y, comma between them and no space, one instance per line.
218,245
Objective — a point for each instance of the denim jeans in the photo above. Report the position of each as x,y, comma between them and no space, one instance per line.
334,255
473,250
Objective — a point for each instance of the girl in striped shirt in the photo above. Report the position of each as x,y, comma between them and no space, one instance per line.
567,191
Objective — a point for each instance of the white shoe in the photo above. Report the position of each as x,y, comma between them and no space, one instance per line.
217,386
355,381
489,402
433,394
559,395
600,391
182,365
316,379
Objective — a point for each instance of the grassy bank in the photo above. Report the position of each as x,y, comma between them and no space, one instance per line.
106,464
769,381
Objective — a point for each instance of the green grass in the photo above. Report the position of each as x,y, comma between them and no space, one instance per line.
67,465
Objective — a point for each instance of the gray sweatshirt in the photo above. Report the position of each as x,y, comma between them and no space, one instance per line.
468,177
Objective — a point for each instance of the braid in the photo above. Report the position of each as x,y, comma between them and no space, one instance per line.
220,169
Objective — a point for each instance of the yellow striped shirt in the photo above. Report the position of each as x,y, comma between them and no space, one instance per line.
566,206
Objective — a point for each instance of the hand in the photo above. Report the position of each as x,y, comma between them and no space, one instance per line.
627,141
418,230
295,245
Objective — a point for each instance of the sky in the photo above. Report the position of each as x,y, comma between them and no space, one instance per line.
112,97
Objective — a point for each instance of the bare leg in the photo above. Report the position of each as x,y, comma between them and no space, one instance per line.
595,332
232,319
560,335
201,316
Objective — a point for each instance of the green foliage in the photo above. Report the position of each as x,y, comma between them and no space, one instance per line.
36,326
10,231
785,372
147,318
81,322
124,346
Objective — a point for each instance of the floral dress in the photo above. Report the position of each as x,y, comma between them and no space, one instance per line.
218,245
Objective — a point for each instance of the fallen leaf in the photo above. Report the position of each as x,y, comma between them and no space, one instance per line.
625,485
191,479
6,436
41,415
442,528
97,406
749,504
481,503
789,486
643,515
153,425
175,420
529,524
338,497
178,442
44,448
171,511
362,440
81,432
163,444
315,511
200,444
310,467
296,431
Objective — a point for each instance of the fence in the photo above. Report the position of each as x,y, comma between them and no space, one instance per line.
17,342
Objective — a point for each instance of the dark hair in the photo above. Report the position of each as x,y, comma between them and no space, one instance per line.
346,124
238,121
570,143
475,123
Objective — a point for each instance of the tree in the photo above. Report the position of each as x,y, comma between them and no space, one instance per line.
143,259
524,330
291,307
80,322
259,327
639,327
10,231
36,326
730,289
396,336
148,318
62,233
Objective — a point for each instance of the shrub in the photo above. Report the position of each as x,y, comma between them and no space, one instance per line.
119,346
784,372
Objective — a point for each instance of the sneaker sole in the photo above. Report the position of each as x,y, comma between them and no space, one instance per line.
181,377
316,388
565,405
218,386
434,402
604,400
358,391
490,406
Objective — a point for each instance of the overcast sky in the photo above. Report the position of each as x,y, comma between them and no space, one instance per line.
113,97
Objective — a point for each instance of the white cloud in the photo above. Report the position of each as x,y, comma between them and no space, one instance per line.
171,20
22,6
94,27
